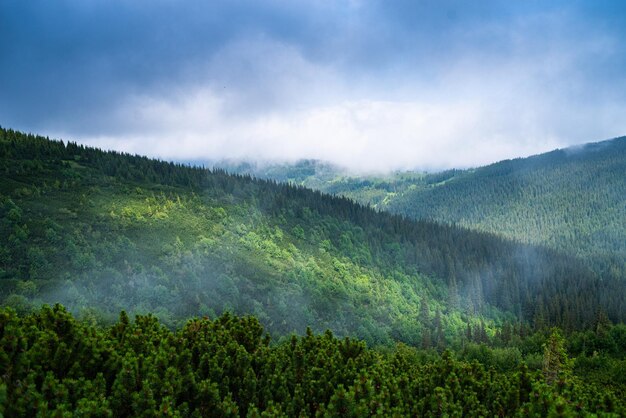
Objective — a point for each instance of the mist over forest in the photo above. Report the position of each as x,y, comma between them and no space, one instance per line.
102,233
312,209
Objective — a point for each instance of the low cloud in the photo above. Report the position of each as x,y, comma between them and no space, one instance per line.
361,135
366,85
476,112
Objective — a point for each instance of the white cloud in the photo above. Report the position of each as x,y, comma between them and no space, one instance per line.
263,100
365,84
361,135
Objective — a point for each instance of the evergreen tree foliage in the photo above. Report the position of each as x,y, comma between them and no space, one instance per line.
54,365
571,200
103,232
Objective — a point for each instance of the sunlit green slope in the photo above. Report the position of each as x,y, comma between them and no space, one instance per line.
102,231
572,200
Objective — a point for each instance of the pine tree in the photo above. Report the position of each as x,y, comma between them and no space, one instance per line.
556,365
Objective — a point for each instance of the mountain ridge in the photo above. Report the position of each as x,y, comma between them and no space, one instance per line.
570,199
104,231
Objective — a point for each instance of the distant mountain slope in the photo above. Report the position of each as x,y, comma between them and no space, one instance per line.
368,189
572,200
103,231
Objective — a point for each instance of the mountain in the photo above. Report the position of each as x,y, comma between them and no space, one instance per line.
572,200
314,174
103,231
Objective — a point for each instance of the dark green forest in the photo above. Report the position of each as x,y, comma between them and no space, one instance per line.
227,367
572,200
103,232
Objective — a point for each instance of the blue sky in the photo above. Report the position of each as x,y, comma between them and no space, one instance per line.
371,85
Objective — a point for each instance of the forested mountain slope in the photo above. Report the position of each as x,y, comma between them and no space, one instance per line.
103,231
368,189
572,200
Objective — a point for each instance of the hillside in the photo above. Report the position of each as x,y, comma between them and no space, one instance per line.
572,200
103,231
368,189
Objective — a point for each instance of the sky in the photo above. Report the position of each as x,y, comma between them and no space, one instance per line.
369,85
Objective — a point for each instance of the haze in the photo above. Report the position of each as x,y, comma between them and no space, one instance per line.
366,85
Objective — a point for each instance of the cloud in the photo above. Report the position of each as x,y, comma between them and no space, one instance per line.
363,135
367,85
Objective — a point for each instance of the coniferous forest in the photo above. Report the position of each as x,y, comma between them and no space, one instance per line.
179,290
569,199
55,365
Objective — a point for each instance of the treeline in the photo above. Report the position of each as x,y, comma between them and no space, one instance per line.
116,231
54,365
